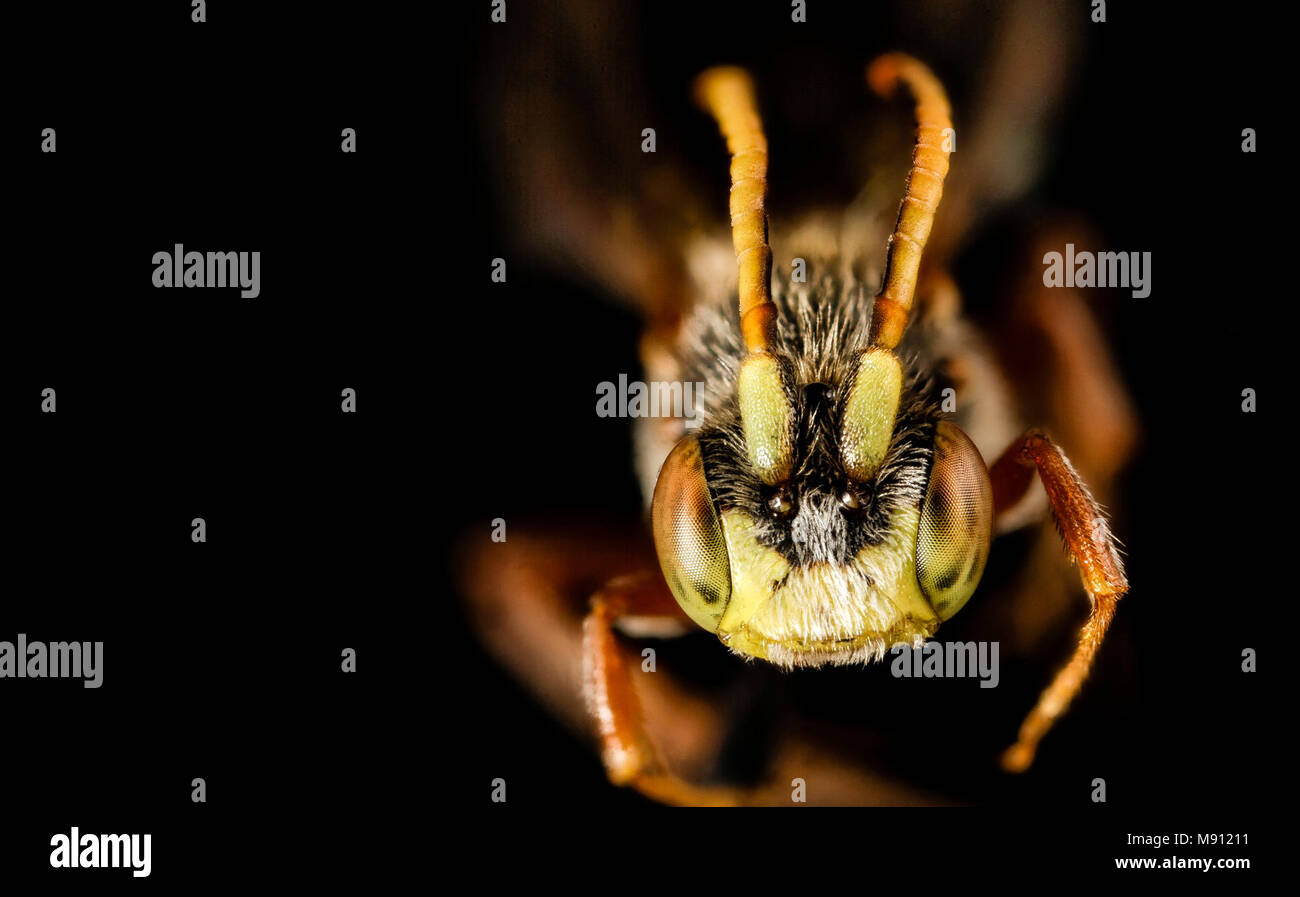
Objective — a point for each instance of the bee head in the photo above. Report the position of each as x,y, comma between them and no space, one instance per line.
823,521
834,514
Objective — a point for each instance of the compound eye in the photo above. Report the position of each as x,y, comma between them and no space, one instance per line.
952,543
688,536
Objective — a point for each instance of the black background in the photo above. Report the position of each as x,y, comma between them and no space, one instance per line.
324,530
221,660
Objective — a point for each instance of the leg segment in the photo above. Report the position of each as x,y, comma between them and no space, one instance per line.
524,598
527,599
630,758
1083,526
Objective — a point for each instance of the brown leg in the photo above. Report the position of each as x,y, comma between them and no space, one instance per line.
524,598
1083,526
527,598
1057,361
630,757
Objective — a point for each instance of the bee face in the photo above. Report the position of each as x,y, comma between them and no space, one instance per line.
827,511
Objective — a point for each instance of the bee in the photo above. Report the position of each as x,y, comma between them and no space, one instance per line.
833,501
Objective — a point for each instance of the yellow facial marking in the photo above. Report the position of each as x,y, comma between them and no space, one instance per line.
824,613
868,423
766,417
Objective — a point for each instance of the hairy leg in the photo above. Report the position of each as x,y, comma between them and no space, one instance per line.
1083,527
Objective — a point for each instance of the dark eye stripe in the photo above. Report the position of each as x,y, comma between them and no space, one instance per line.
708,593
948,578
